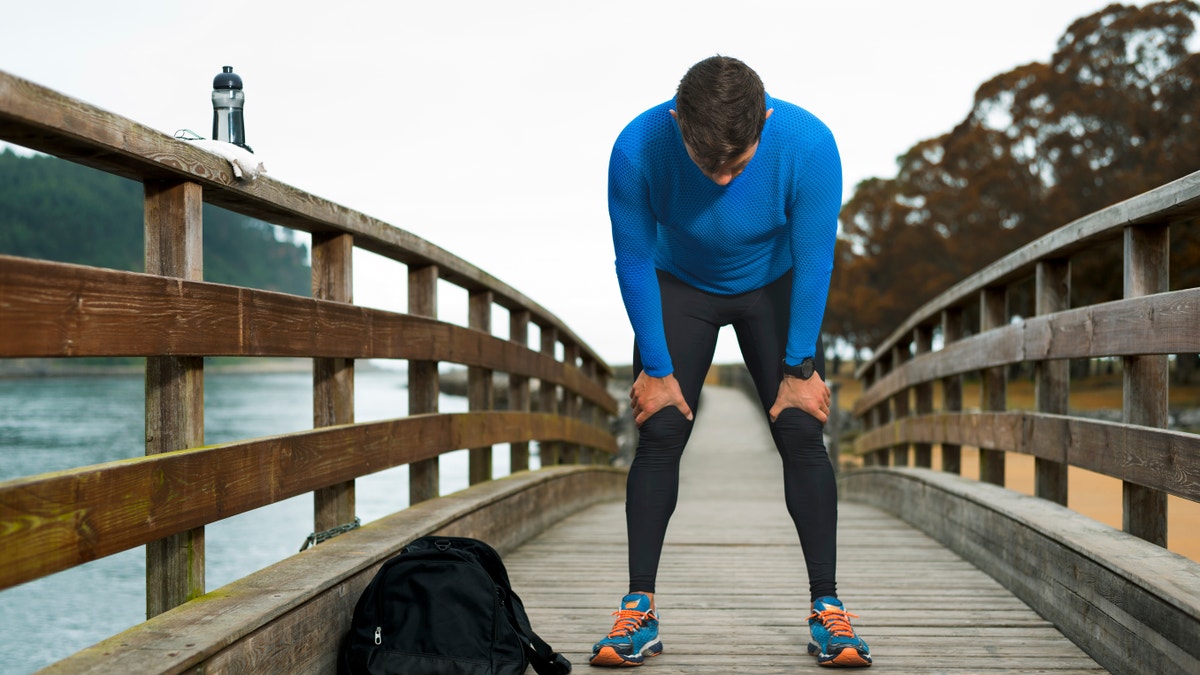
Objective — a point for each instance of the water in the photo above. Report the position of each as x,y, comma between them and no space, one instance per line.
50,424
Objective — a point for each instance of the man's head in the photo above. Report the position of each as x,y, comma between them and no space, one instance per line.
720,107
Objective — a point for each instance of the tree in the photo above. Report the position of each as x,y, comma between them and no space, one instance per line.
58,210
1113,114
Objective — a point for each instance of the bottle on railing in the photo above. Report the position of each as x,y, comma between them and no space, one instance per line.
228,100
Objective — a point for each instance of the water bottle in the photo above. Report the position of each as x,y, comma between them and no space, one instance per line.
228,99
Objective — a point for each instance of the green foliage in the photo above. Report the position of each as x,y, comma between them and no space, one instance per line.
1112,115
247,252
58,210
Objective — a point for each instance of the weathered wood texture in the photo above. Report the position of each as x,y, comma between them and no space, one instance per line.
1148,324
1174,202
993,313
1131,605
174,319
289,617
45,120
923,344
1052,379
333,378
952,331
480,394
732,590
55,309
518,389
423,381
1164,460
1144,386
1164,323
55,521
174,385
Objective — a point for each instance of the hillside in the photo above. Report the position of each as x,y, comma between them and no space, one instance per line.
58,210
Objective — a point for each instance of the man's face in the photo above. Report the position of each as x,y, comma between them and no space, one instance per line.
725,173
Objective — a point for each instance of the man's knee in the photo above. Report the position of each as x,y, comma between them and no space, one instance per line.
665,429
796,421
799,435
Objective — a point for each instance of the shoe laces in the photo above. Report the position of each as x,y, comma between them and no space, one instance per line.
628,621
836,621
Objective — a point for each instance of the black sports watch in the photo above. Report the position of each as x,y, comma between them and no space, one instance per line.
803,371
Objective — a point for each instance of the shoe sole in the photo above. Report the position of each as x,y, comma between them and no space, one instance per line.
608,657
847,658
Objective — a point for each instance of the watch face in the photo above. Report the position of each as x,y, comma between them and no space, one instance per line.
806,368
803,371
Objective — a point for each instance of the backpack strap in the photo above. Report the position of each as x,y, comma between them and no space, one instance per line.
542,656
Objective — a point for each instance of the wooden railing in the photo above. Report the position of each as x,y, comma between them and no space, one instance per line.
1123,597
1150,323
173,318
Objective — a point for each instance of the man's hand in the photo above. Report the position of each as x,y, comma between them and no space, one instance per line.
651,394
811,396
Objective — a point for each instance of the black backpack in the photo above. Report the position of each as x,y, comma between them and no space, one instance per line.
444,605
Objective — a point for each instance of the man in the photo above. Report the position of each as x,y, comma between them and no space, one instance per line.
724,208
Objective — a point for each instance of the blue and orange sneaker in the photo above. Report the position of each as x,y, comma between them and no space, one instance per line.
633,637
833,640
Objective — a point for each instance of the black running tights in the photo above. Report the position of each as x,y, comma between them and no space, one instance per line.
691,319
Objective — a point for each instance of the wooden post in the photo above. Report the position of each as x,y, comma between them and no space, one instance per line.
588,412
548,397
1147,254
333,379
174,387
479,383
883,411
923,340
993,393
422,381
900,403
952,330
570,401
1052,379
602,419
518,388
870,417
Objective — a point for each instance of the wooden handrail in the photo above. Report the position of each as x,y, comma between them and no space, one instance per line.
48,121
114,313
63,519
173,318
1148,324
1167,320
1170,203
1164,460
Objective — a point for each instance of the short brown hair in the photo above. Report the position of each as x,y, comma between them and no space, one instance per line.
720,105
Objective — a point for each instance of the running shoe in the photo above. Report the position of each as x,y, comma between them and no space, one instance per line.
833,640
633,637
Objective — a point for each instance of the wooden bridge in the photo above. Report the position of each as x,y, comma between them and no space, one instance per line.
948,574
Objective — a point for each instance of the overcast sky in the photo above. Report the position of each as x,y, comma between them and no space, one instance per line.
485,126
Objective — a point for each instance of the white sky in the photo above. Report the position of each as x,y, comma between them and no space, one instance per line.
485,126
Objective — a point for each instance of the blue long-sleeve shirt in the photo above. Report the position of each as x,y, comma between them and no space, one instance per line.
780,213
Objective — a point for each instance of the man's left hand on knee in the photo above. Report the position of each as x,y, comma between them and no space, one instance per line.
811,396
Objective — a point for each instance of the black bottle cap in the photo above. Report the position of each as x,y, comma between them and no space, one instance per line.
227,79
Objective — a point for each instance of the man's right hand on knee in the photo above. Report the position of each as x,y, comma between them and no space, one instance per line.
650,394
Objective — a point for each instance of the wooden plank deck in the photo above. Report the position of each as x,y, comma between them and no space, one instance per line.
732,590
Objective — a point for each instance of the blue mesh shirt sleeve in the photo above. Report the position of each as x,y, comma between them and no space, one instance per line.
634,232
816,200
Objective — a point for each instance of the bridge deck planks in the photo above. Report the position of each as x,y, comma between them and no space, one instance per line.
732,590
